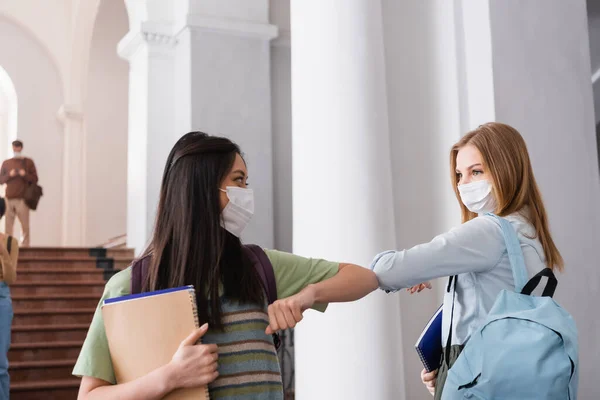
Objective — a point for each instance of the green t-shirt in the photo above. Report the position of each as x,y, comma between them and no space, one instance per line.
292,274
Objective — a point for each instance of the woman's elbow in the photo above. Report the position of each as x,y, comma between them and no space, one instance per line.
385,271
371,280
364,275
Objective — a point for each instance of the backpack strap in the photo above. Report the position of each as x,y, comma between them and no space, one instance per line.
451,284
9,244
535,281
263,266
139,270
515,254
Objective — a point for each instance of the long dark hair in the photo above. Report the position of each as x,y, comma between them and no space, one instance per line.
189,246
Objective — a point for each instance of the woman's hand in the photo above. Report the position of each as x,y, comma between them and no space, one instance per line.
194,364
428,379
286,313
420,287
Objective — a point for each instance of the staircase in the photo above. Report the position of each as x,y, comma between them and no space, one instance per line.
54,299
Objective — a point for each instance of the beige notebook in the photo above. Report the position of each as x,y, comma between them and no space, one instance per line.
145,330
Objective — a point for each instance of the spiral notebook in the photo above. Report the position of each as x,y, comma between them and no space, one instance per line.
429,345
144,331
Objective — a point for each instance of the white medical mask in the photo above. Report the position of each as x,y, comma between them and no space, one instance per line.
18,154
239,211
478,197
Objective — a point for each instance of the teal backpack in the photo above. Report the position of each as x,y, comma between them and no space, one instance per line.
526,348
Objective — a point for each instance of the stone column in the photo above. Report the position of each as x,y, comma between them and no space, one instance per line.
74,173
202,66
149,48
342,195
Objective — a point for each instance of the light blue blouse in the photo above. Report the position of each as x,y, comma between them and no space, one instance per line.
475,251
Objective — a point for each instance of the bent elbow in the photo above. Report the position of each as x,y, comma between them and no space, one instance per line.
387,274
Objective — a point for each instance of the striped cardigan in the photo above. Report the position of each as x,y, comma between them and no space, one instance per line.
248,363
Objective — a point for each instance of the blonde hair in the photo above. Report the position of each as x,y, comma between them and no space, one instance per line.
506,159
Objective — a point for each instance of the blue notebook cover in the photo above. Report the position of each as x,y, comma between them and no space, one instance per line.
429,345
146,294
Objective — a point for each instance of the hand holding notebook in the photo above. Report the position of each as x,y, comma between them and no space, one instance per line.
429,345
194,365
155,330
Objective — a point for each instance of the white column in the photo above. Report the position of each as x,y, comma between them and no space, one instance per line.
281,101
223,87
149,50
197,65
74,173
423,91
343,205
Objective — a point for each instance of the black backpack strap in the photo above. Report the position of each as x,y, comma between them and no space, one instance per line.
451,285
139,270
263,266
535,281
9,244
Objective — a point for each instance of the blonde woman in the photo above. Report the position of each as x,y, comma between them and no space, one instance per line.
9,253
491,173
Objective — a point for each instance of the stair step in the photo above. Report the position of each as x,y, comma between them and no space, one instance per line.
60,274
39,288
31,371
65,389
53,301
53,316
55,394
54,298
73,262
49,333
44,351
58,252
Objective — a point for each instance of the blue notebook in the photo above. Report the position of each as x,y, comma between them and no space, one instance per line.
147,294
429,345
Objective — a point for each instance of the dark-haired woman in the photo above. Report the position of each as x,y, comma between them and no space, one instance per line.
204,207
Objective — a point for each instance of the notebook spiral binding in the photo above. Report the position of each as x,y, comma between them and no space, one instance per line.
194,306
196,321
424,361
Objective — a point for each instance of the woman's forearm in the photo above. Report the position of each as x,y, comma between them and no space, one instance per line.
153,386
350,283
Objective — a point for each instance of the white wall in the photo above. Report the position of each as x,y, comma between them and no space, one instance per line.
424,120
281,111
63,29
8,114
542,70
106,116
39,93
593,12
48,22
231,96
282,146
